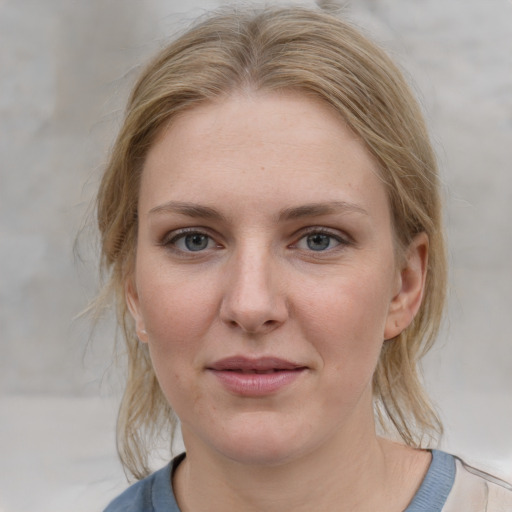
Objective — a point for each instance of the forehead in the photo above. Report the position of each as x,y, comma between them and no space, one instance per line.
286,147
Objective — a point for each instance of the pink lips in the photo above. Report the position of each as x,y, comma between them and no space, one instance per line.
255,377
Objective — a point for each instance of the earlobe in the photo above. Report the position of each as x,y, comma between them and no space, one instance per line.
411,284
132,301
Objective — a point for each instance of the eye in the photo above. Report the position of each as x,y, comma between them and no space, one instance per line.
190,241
319,241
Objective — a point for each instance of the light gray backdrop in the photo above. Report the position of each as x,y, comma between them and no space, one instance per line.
65,68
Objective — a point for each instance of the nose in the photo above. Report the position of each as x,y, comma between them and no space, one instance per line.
253,299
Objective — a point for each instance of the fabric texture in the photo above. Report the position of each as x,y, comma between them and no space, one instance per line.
476,491
450,485
153,494
436,486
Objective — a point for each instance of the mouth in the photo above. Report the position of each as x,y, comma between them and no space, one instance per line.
260,365
256,377
259,372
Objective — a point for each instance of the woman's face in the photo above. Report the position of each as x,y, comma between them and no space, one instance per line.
265,280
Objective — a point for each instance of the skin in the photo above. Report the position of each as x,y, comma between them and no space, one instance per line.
274,276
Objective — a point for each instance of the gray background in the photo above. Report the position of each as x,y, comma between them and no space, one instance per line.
65,69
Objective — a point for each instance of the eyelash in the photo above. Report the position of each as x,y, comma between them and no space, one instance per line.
171,239
342,241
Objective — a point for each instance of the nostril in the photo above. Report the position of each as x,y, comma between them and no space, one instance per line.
253,313
253,328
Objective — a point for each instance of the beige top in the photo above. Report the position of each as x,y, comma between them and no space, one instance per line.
476,491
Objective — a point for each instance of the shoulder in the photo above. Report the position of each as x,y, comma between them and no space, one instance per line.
144,494
476,491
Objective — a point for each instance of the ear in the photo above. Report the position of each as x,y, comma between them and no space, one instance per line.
410,287
133,303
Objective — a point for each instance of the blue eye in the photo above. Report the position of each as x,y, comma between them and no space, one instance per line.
196,242
192,242
318,242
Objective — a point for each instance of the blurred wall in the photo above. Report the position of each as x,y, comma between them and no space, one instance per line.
65,69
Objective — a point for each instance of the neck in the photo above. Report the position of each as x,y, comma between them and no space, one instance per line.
336,476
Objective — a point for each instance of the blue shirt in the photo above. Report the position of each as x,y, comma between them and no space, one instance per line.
155,493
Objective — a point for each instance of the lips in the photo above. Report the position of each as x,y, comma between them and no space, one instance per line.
260,365
255,377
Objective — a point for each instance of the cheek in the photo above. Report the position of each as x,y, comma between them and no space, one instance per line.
346,321
176,320
177,312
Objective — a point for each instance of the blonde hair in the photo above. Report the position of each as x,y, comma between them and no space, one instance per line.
280,49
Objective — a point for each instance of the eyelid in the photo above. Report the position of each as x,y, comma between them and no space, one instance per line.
169,240
341,236
174,234
340,241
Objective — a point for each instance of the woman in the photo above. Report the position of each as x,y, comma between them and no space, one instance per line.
271,222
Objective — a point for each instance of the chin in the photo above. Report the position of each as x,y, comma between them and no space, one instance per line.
263,443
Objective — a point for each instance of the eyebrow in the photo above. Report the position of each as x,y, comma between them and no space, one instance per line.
294,213
319,209
188,209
